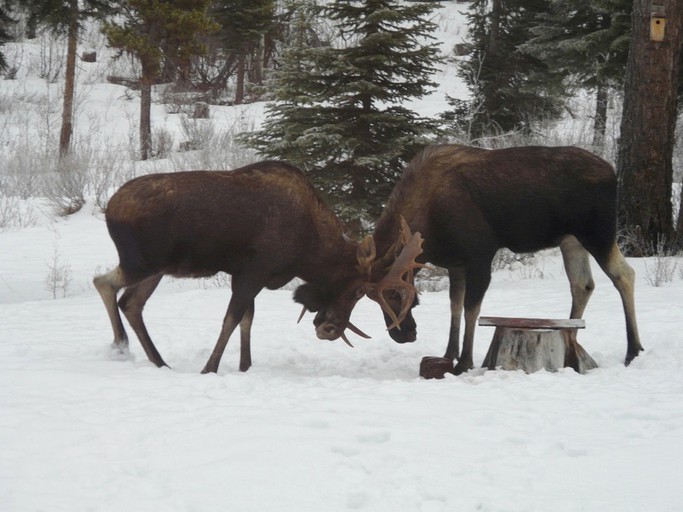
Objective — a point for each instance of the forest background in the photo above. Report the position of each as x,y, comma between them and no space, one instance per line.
337,77
313,425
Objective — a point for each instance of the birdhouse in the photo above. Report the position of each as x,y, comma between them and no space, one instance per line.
657,22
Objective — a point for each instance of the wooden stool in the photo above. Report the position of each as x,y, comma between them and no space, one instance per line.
532,344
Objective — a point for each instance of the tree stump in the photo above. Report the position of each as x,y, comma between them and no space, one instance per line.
532,344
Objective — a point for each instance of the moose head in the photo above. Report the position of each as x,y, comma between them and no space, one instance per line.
388,280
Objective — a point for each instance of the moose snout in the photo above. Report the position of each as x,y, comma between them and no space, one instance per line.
406,333
328,331
327,327
403,336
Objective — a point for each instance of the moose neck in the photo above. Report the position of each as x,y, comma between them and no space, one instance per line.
331,256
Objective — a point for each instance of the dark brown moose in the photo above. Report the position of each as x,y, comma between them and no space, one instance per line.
264,224
467,203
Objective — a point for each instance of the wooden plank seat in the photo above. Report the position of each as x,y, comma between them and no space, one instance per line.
532,323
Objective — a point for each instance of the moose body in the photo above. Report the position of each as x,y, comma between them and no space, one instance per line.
263,224
468,202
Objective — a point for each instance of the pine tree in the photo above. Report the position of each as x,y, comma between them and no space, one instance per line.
243,24
5,21
337,109
153,31
586,43
510,88
65,17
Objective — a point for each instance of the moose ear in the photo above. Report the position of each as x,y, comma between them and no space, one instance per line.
307,295
366,253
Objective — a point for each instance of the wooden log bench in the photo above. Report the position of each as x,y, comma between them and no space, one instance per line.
532,344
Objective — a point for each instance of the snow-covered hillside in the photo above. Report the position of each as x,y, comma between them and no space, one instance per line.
313,425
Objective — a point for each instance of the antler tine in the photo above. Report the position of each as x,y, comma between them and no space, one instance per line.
357,331
366,253
346,340
301,315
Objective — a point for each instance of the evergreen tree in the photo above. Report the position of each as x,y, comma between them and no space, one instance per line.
337,109
65,17
243,24
154,30
5,22
510,87
585,42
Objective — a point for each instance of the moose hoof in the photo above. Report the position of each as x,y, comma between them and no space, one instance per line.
630,357
435,367
462,367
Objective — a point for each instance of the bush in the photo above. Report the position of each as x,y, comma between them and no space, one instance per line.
15,213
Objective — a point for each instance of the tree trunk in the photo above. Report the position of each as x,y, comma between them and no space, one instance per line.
532,350
168,71
600,121
69,83
145,119
494,35
259,60
679,224
241,71
32,26
644,163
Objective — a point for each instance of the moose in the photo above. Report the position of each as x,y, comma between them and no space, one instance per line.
469,202
263,223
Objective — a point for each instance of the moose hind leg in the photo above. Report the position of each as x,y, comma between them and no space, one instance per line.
132,303
108,286
577,267
623,277
245,338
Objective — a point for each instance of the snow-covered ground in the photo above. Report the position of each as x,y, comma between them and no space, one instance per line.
316,425
313,425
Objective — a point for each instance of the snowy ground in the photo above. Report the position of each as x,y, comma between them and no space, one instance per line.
313,426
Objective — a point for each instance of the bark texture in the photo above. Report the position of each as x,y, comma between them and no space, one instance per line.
644,163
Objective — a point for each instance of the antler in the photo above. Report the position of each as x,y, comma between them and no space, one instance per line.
400,275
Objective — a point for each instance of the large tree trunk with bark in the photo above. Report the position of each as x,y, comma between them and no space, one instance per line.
241,72
600,121
145,119
259,60
644,163
69,82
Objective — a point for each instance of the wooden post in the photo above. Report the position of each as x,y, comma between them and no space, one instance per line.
532,344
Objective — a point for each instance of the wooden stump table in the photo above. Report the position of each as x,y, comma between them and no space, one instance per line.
532,344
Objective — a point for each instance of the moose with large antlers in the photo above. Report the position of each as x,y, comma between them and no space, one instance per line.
468,202
264,224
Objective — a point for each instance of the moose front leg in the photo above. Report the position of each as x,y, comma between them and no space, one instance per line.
456,277
466,362
245,288
477,282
